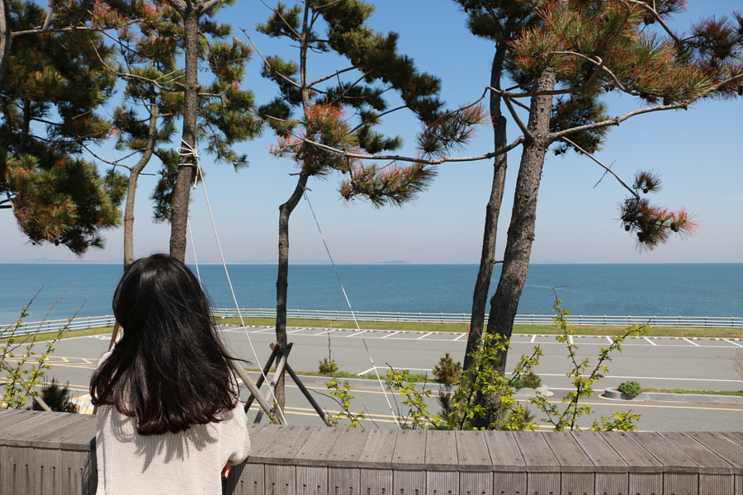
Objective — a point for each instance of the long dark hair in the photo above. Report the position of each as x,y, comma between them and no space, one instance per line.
170,369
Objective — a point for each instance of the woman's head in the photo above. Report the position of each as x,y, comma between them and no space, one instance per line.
161,294
170,369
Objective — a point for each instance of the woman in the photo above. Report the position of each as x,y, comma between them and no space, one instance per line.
169,418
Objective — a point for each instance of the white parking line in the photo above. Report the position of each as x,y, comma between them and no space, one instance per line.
689,341
570,339
611,341
729,342
653,343
424,336
324,332
464,334
390,334
722,380
354,334
264,330
533,338
295,331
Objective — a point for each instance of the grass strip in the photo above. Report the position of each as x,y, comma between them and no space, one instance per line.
22,339
462,327
734,393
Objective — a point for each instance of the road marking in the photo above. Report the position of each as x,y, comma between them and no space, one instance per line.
533,338
295,331
459,337
653,343
570,339
689,341
656,378
366,371
264,330
324,332
424,336
391,334
729,342
611,341
354,334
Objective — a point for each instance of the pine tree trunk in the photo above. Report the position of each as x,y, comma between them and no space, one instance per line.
492,210
132,187
504,303
181,191
4,36
282,281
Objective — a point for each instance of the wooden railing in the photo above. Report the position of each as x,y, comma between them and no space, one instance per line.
55,453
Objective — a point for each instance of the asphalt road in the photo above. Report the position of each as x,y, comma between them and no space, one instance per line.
703,364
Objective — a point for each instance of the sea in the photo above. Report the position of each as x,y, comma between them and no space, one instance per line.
708,289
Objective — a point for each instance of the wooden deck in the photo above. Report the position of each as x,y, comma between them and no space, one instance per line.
49,453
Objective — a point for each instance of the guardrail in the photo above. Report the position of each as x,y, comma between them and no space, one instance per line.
82,323
44,452
317,314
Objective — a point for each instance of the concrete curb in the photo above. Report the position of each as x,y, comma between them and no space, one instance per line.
656,396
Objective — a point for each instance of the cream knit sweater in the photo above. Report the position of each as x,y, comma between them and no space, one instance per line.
185,463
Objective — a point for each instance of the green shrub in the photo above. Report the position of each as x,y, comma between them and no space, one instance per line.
328,367
447,371
528,380
56,397
630,389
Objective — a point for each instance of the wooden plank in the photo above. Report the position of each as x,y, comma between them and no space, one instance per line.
672,459
476,483
576,468
680,472
10,417
47,465
637,458
738,484
18,475
316,448
376,481
283,450
78,473
538,456
244,479
345,480
610,469
505,453
472,452
541,465
442,482
441,451
75,436
410,451
409,462
646,483
30,437
346,451
262,437
32,420
280,479
720,446
378,450
311,480
716,484
734,436
707,461
407,481
505,483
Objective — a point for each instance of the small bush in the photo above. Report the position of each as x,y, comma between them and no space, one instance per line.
328,367
529,380
56,397
630,389
447,371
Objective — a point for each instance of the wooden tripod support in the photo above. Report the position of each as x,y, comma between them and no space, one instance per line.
283,364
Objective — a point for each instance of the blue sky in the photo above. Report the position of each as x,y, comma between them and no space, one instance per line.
698,153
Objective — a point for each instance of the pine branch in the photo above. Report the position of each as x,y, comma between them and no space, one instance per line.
516,118
423,161
334,74
265,61
608,169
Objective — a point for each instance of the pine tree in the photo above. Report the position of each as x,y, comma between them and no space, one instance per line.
54,81
563,57
314,138
221,113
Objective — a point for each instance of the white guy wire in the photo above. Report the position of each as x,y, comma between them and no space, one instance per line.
187,150
353,313
193,248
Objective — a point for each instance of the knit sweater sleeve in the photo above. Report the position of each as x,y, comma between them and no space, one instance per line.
234,438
